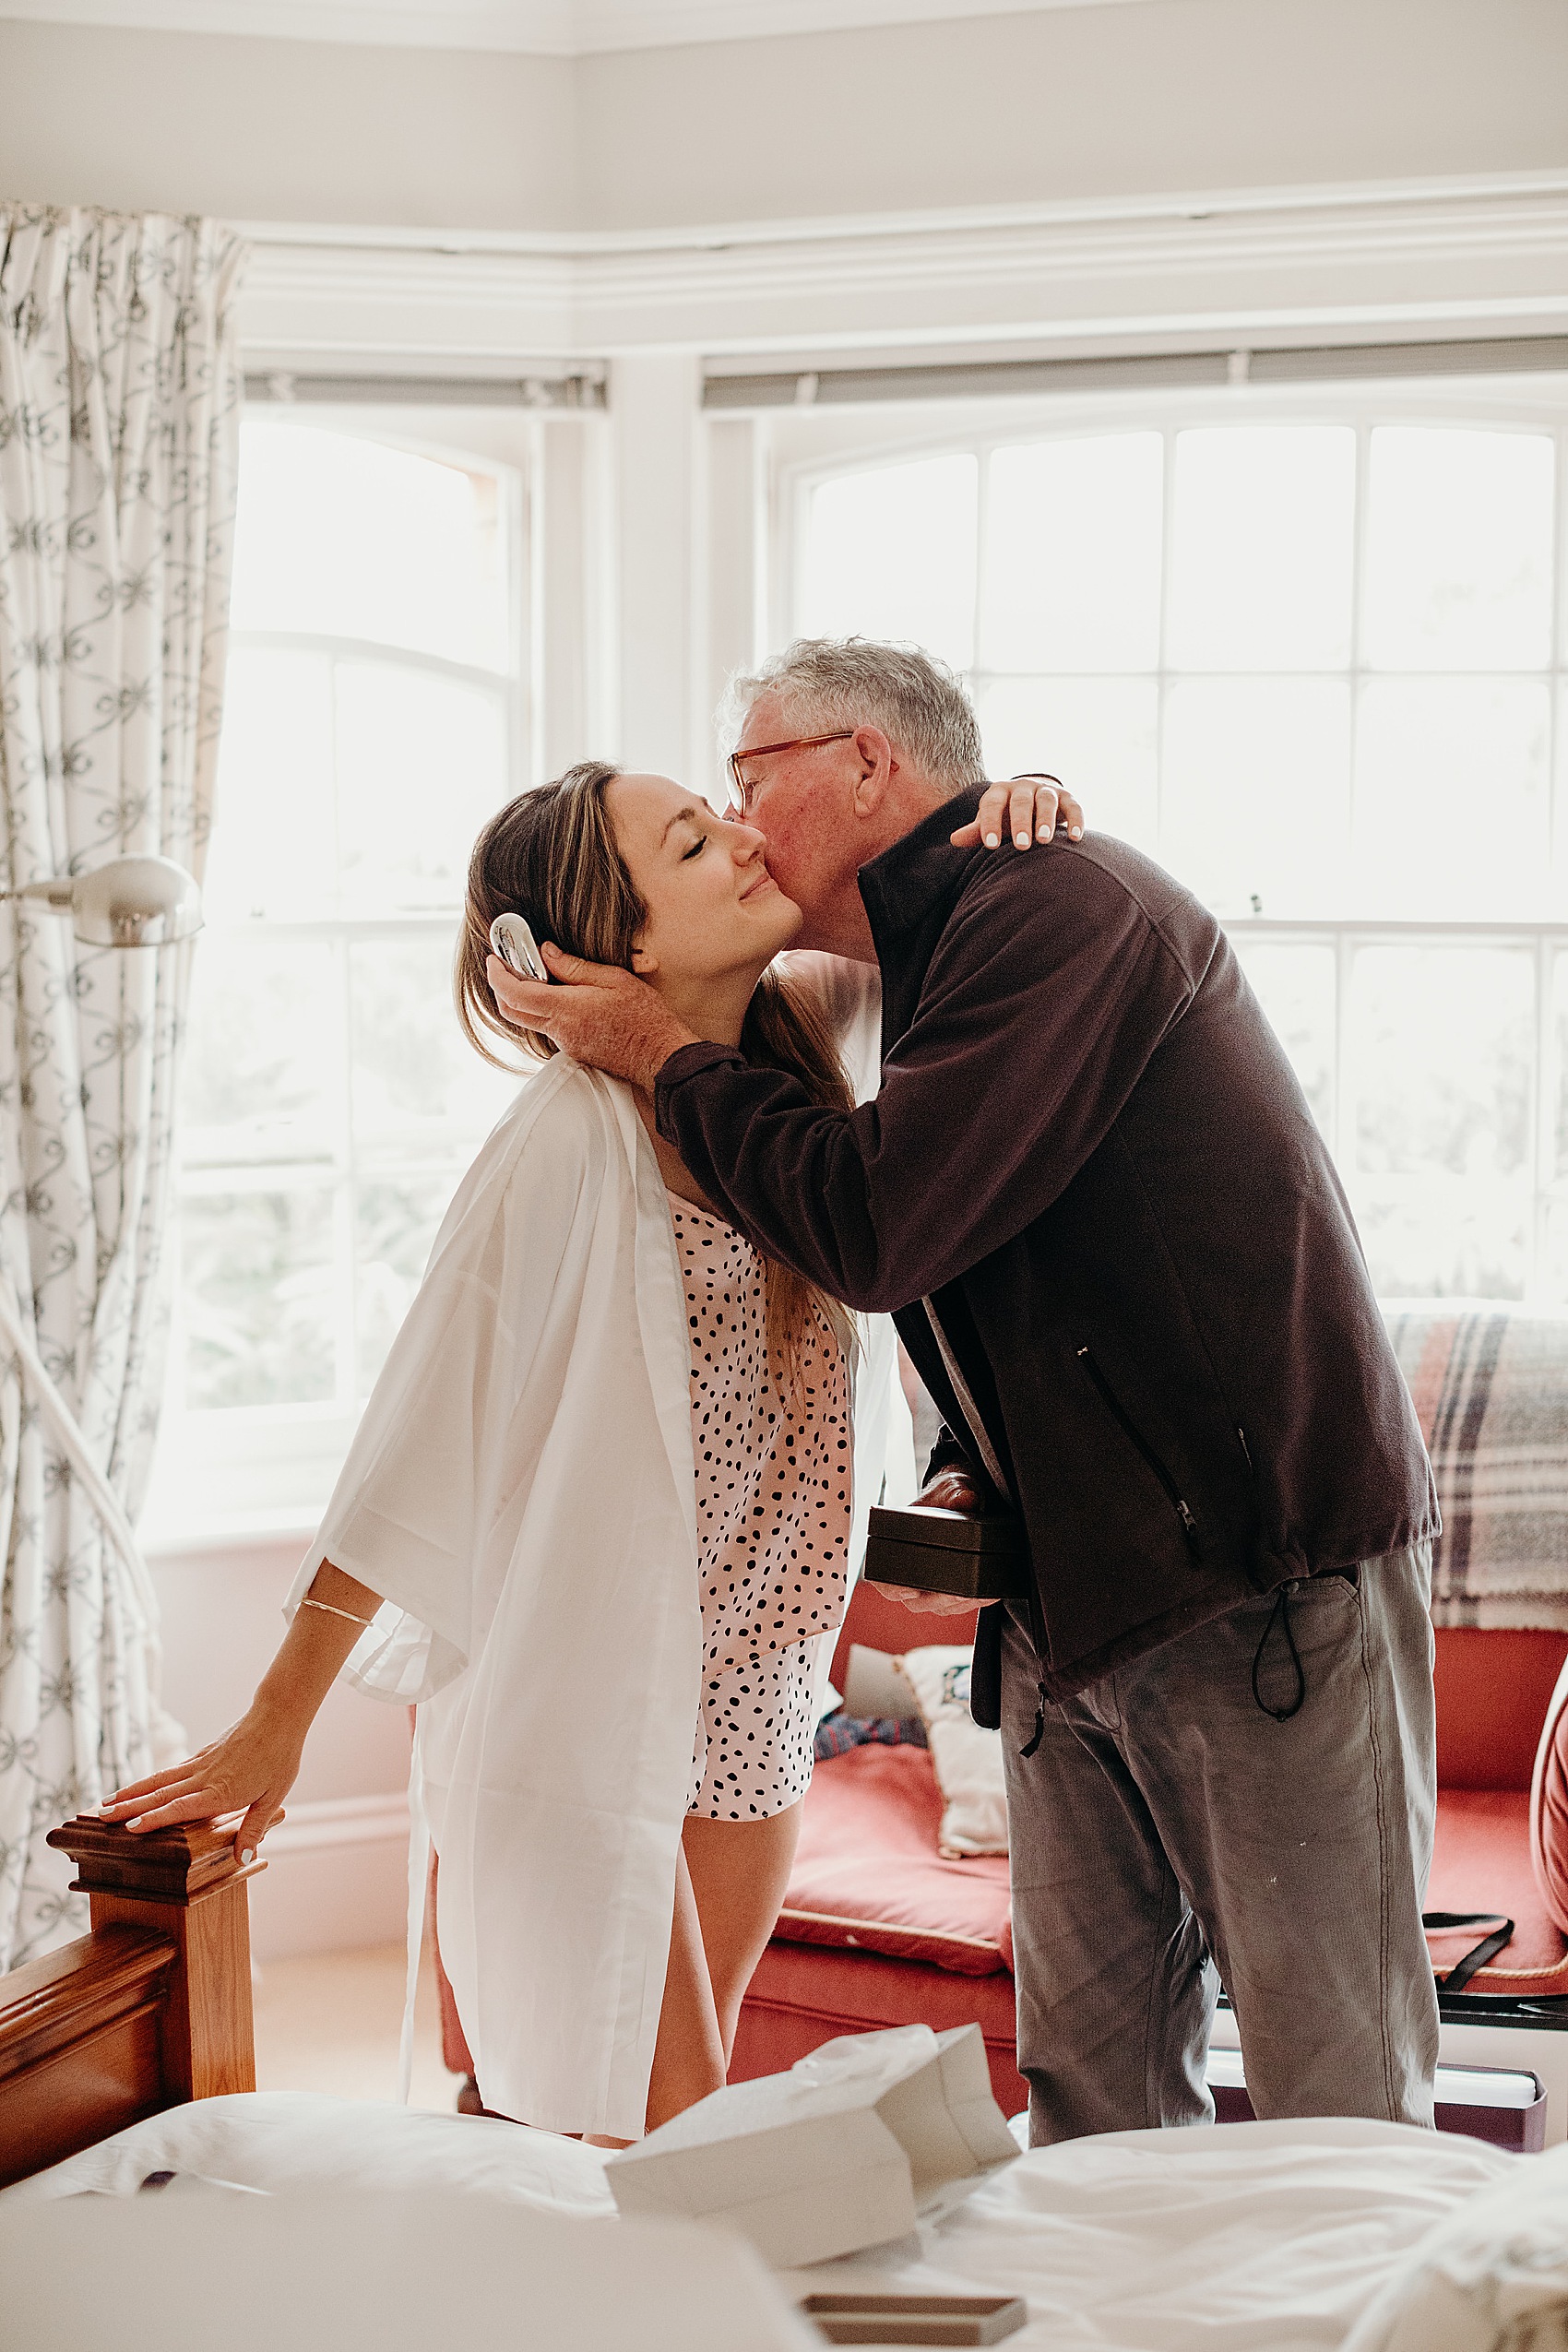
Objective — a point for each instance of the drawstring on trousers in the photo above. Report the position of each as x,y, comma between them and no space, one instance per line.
1278,1615
1281,1615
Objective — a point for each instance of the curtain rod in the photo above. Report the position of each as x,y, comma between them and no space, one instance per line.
288,386
1310,363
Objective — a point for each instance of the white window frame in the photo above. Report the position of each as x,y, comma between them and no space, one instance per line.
800,450
254,1471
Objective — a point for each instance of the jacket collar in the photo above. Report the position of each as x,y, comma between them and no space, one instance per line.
903,885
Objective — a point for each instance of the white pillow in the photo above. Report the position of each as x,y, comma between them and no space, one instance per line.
967,1758
280,2140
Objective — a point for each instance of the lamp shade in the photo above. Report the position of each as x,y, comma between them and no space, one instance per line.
127,902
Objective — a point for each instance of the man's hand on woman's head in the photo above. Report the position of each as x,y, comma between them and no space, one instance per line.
1027,809
596,1012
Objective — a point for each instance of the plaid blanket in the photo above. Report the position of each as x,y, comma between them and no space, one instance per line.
1490,1392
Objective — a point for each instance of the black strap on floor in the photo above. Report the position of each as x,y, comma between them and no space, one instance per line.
1479,1954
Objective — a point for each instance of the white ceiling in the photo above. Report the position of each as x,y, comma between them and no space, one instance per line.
554,27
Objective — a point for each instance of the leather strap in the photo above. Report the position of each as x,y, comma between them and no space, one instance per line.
1480,1953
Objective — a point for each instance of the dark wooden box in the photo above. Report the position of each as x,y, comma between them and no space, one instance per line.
948,1552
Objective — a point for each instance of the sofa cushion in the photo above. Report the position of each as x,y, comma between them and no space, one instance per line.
965,1757
868,1876
1483,1862
1549,1808
1494,1685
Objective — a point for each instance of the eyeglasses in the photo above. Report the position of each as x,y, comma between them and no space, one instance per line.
741,792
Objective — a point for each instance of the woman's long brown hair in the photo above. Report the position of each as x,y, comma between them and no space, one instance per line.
552,857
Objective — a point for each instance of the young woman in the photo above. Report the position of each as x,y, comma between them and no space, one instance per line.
596,1520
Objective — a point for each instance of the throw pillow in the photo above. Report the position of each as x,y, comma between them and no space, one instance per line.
967,1757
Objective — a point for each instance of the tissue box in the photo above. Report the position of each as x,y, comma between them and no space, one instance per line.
851,2147
948,1552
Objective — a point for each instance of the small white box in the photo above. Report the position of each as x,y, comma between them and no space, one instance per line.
847,2149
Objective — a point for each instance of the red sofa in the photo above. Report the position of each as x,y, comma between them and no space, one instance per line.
878,1930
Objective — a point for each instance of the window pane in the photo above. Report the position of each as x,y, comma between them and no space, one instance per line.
339,535
1256,793
1071,571
1560,1055
1554,1270
1295,987
1441,1059
419,1088
1459,550
891,553
1442,1045
257,1297
394,1227
1263,561
1451,806
1096,734
274,841
422,763
1443,1237
262,1077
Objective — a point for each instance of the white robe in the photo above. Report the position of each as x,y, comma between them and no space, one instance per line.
521,1491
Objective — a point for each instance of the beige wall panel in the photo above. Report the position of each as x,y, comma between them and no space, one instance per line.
1173,95
1163,95
285,130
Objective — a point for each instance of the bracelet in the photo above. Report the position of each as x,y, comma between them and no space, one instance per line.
346,1614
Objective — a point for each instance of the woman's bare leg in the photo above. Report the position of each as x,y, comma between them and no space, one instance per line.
739,1872
688,2058
731,1878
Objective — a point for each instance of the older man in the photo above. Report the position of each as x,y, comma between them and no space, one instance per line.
1093,1196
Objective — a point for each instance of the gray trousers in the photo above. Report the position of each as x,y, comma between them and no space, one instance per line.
1168,1834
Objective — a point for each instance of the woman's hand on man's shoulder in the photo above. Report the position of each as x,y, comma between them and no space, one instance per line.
1028,808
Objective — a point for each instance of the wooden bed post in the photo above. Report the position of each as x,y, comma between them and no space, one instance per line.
186,1885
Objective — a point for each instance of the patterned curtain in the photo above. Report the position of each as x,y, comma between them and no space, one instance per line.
119,426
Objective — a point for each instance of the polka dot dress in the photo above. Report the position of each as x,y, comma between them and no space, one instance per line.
773,1527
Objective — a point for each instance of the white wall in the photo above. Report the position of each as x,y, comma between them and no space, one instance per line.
284,130
336,1871
1172,94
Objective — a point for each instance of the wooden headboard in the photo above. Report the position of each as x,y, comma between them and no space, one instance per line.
151,2009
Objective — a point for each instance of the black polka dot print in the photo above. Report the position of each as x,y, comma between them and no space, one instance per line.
773,1494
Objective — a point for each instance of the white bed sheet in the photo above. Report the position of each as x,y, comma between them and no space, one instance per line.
1284,2236
1253,2236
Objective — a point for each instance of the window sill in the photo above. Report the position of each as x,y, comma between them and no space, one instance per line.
236,1532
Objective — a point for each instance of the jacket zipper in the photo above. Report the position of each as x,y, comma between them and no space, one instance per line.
1130,1428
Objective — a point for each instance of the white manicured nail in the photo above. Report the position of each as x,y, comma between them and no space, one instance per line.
991,840
247,1854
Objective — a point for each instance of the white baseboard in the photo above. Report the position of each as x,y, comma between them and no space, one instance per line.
337,1877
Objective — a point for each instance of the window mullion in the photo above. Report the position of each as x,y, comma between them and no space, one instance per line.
345,1194
1162,657
1542,1123
983,522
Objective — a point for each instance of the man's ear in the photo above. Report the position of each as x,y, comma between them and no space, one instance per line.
877,763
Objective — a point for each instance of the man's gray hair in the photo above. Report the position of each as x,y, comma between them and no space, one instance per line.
918,702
